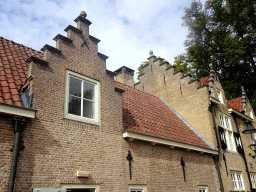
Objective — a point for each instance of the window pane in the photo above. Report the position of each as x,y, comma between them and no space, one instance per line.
88,91
74,105
222,121
88,109
227,123
233,180
240,183
75,86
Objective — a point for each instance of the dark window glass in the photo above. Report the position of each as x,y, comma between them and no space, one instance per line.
74,105
88,109
75,86
88,91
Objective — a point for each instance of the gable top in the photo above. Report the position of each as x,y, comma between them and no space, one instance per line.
148,115
235,104
204,81
14,69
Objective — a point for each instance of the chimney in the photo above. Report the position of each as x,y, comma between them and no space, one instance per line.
83,24
125,75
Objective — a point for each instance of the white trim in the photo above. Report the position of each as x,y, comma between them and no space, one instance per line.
202,187
80,186
95,121
231,110
229,133
16,110
235,173
137,187
152,139
214,100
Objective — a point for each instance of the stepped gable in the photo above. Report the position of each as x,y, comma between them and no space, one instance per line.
204,81
14,69
148,115
235,104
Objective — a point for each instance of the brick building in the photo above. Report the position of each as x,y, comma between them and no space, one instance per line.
67,125
203,105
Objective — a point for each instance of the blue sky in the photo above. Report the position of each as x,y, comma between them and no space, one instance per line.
128,29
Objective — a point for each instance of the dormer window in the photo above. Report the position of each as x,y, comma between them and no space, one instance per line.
251,114
220,97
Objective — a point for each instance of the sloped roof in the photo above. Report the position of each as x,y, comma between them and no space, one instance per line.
148,115
13,69
235,104
204,81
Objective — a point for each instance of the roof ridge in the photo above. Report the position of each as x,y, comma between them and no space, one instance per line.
137,89
2,38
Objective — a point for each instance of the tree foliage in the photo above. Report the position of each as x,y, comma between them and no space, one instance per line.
223,33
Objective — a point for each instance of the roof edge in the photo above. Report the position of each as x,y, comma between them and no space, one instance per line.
158,140
232,110
184,121
17,110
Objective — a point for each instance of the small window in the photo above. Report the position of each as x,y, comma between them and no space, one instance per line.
253,180
227,134
137,188
82,98
202,189
237,180
251,114
220,97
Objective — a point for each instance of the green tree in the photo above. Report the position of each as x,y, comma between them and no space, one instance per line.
182,62
223,33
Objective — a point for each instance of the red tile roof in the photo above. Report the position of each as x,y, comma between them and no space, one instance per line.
146,114
235,104
13,69
204,81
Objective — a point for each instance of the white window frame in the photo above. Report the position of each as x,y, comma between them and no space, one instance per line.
225,123
220,96
253,180
96,120
251,113
237,180
201,188
142,188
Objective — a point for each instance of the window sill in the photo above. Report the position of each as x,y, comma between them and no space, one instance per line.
81,119
229,151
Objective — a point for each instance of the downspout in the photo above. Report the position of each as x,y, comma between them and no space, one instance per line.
216,157
245,161
19,126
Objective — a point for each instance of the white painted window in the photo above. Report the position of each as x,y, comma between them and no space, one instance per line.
202,189
220,97
253,180
137,188
251,114
82,98
226,125
237,180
